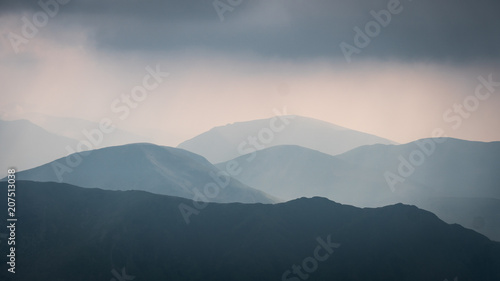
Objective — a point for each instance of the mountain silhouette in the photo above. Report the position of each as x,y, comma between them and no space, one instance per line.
72,233
148,167
79,129
227,142
358,178
26,145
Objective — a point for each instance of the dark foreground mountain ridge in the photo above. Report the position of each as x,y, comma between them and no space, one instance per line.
455,179
71,233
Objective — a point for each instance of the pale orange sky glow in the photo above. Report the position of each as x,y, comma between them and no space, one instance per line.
65,72
398,101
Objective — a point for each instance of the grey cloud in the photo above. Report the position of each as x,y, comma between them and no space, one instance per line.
445,30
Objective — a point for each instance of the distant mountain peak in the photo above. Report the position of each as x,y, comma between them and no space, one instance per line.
148,167
226,142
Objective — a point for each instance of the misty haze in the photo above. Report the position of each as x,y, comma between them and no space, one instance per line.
249,140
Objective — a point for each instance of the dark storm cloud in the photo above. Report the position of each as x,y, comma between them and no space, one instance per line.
443,30
146,10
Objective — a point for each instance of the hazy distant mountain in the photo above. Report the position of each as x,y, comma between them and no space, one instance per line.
455,168
79,129
479,214
457,176
289,172
157,169
71,233
462,175
25,145
233,140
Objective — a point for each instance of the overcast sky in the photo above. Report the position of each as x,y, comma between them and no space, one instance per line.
238,60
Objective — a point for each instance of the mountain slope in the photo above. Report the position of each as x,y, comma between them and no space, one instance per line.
479,214
451,167
25,145
161,170
72,233
358,178
74,128
289,172
227,142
